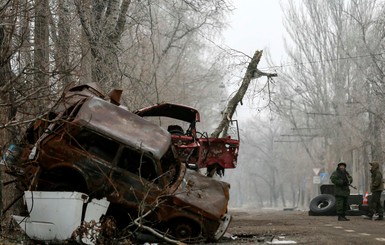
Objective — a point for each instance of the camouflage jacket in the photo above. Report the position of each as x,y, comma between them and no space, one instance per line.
341,180
377,183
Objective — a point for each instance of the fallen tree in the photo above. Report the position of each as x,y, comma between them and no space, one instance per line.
252,72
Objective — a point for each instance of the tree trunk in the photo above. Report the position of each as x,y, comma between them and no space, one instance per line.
252,72
41,54
103,23
63,43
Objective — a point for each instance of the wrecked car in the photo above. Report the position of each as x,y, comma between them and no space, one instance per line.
194,147
89,144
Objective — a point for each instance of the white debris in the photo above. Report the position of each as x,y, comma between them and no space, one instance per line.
280,241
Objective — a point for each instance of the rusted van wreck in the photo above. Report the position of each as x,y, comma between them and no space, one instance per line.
88,143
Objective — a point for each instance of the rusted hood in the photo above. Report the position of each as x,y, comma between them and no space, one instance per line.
203,194
123,126
77,94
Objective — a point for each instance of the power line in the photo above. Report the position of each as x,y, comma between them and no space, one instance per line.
228,50
300,135
327,60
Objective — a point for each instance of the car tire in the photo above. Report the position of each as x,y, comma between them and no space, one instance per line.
356,212
324,204
185,230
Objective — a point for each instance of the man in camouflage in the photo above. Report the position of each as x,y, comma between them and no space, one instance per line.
341,179
376,187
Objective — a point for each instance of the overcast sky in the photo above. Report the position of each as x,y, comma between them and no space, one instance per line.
256,25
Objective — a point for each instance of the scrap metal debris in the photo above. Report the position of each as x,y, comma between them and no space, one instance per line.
89,144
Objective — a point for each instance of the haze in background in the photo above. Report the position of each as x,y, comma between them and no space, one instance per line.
256,25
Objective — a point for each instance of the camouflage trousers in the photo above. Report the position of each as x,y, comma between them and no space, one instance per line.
342,205
375,205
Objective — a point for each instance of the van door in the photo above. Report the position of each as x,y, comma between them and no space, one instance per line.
137,178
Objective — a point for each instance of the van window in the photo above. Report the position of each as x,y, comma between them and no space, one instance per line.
97,145
138,164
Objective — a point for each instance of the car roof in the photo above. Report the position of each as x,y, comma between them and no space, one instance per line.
124,126
177,111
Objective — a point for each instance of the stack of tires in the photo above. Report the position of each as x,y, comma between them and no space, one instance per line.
325,204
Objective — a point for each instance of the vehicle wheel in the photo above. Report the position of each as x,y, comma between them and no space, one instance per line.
356,212
323,204
185,231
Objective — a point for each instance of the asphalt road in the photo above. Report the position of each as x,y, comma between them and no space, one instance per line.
276,226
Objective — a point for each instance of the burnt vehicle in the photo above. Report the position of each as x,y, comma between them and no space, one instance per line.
194,148
87,143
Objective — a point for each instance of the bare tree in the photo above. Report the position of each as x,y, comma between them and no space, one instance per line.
103,23
167,57
333,87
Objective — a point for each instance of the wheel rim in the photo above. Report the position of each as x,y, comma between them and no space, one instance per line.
323,204
183,231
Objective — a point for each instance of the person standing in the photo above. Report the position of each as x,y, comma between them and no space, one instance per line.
376,187
341,179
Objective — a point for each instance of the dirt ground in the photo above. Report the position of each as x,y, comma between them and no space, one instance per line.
295,226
